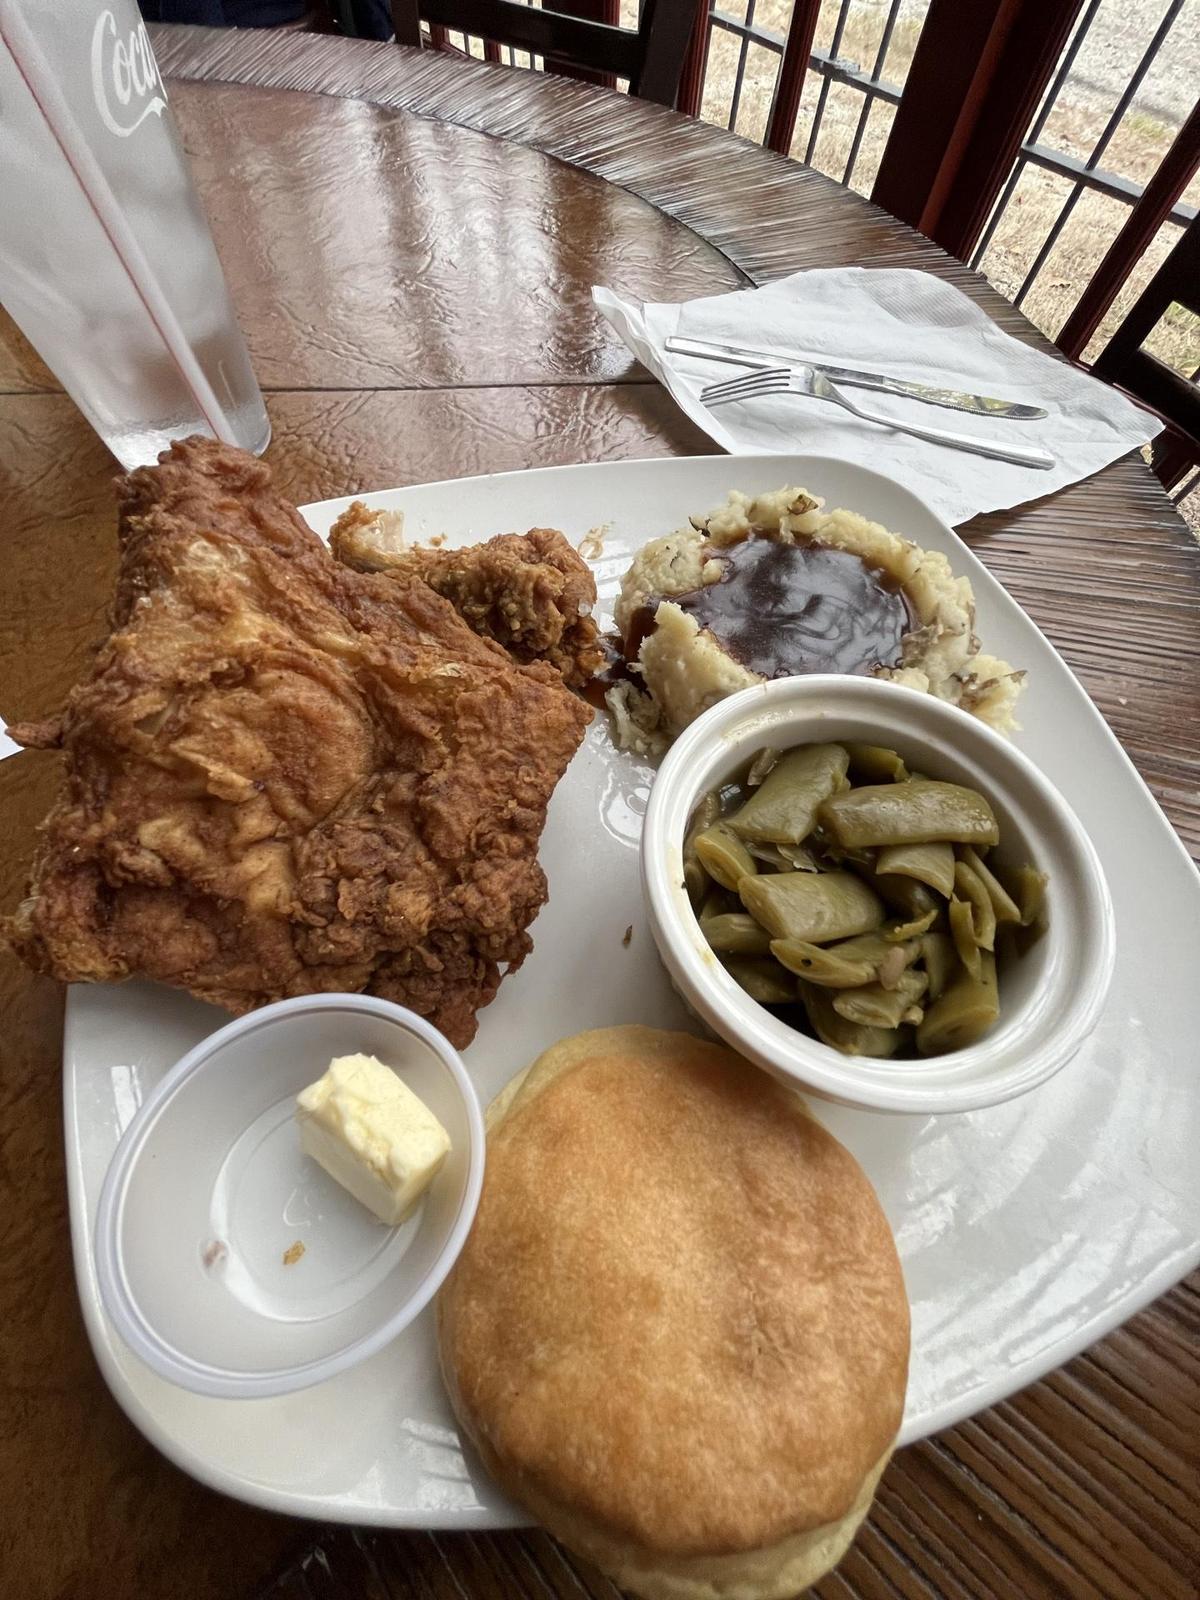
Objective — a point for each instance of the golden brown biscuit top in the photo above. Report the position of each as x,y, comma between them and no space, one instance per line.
680,1311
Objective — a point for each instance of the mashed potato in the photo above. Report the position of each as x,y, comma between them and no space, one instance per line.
682,668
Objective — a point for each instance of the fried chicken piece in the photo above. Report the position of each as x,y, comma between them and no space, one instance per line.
285,776
531,592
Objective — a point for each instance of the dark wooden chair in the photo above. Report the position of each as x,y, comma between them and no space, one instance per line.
1124,362
650,58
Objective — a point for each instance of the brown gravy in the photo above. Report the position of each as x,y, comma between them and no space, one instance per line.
782,609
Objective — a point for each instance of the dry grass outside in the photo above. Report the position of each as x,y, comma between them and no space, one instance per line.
843,107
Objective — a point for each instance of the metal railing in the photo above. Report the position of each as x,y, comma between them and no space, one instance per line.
829,66
1086,175
828,63
877,82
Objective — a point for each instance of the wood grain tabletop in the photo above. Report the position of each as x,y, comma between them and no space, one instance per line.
411,242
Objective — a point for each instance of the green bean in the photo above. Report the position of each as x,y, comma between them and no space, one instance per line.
872,763
860,861
940,957
905,895
708,810
760,766
915,812
716,903
1003,904
962,931
784,857
868,958
901,932
770,855
822,965
816,907
983,914
851,1038
898,958
764,981
736,933
1030,894
966,1008
799,858
877,1007
784,806
695,879
891,958
876,947
723,855
1008,943
927,863
835,877
1022,939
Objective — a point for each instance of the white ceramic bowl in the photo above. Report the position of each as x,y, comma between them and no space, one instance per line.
1050,999
208,1191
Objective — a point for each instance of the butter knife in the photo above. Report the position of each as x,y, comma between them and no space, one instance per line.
953,399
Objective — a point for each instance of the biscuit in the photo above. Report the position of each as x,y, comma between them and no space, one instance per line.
678,1332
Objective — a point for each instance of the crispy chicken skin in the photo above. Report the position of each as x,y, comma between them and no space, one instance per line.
531,592
285,776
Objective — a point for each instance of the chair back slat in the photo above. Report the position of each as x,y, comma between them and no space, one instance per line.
650,58
665,31
542,33
1124,362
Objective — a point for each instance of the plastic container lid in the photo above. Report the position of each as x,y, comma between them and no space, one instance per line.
230,1262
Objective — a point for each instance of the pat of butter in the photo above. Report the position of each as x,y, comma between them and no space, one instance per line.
372,1134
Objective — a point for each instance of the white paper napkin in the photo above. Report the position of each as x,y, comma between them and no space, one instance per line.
904,324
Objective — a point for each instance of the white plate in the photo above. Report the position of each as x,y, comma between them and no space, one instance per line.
1026,1231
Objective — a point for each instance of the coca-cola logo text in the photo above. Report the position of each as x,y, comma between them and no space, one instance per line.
125,77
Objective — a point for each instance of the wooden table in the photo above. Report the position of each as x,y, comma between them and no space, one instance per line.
411,243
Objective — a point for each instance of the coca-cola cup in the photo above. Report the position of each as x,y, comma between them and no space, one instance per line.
106,261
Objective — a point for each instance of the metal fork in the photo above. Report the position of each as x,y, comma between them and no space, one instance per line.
806,381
